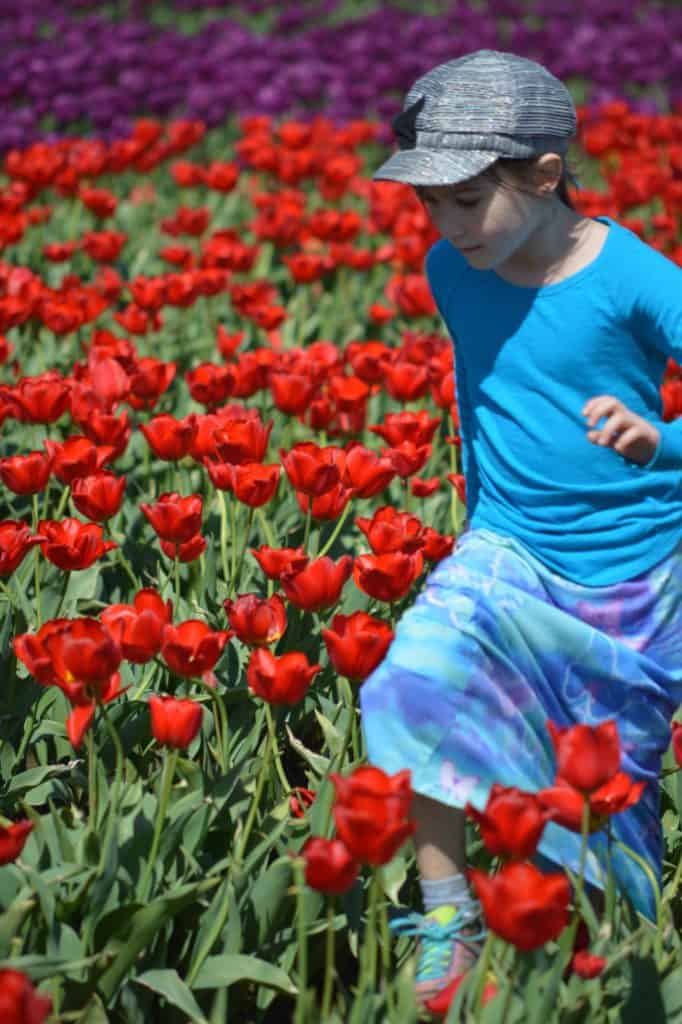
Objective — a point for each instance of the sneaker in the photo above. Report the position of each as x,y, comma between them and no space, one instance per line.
450,942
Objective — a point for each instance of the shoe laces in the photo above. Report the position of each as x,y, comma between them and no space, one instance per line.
436,940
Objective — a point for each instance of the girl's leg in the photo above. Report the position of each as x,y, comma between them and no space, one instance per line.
438,839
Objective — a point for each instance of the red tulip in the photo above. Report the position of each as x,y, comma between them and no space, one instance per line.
391,530
16,540
77,456
20,1003
424,488
417,427
276,561
365,471
243,440
71,544
99,496
437,545
210,384
319,584
31,650
522,905
192,648
329,867
81,717
12,839
371,811
566,803
257,621
254,484
587,755
356,644
26,474
174,517
439,1004
283,680
512,822
175,722
387,577
151,378
188,551
311,469
587,965
42,399
325,506
84,656
138,628
169,438
459,483
407,458
299,800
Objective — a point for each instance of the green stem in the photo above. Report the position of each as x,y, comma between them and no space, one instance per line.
92,782
245,543
369,961
308,520
328,964
336,531
301,998
385,954
233,541
275,750
169,764
258,792
113,814
176,560
510,990
214,932
127,568
265,526
640,861
482,971
63,498
223,536
220,719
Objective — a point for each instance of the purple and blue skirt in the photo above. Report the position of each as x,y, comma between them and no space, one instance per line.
494,645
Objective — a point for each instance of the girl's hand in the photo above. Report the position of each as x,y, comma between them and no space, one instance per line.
627,433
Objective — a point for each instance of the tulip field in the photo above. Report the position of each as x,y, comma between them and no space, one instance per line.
230,459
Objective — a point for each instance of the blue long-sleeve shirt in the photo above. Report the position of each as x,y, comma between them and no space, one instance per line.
526,362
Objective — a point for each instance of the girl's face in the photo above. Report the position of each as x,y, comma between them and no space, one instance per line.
486,222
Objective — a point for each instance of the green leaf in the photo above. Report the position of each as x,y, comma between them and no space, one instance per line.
171,986
671,993
223,971
318,763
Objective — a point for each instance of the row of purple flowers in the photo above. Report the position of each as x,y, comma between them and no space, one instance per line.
63,64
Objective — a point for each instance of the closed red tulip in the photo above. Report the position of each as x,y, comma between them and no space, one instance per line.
439,1004
407,458
42,399
566,803
275,562
188,551
82,715
522,905
417,427
16,540
387,577
31,650
329,866
257,621
677,742
587,755
254,484
319,584
137,628
71,544
169,438
192,648
371,811
512,823
280,680
77,456
437,545
311,469
20,1003
84,656
175,722
356,644
150,379
458,481
325,506
26,474
243,439
174,517
587,965
366,472
392,530
300,800
210,384
99,496
12,840
422,488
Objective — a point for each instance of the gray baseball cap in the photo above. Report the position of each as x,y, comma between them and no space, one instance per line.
462,116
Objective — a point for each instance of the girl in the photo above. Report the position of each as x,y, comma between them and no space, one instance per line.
562,599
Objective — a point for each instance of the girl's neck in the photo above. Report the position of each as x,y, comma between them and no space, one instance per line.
563,243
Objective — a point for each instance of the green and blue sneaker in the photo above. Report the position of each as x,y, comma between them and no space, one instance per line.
450,942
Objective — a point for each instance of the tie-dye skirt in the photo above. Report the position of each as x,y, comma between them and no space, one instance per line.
494,645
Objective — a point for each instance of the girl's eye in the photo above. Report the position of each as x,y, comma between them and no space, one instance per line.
462,202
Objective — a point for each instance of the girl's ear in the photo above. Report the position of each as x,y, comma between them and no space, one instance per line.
548,171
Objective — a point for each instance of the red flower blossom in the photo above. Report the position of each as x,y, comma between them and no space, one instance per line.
329,866
175,722
319,584
26,474
356,644
311,469
175,518
42,399
257,621
587,965
84,657
424,488
192,648
16,540
243,440
397,427
71,544
20,1003
188,551
512,822
253,485
365,471
408,458
587,756
439,1004
151,378
437,545
77,456
82,716
522,905
283,680
169,438
275,562
371,811
677,742
325,506
12,839
566,803
391,530
99,496
459,483
387,577
299,800
210,384
31,650
138,627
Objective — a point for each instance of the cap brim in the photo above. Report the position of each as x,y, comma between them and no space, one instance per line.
431,167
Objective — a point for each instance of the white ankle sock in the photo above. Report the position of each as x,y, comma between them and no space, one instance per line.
454,889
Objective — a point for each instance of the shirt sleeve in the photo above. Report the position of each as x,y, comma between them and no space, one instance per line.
657,319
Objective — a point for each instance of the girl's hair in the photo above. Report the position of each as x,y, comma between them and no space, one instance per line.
522,171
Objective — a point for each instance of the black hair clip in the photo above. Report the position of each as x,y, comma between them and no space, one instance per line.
404,125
